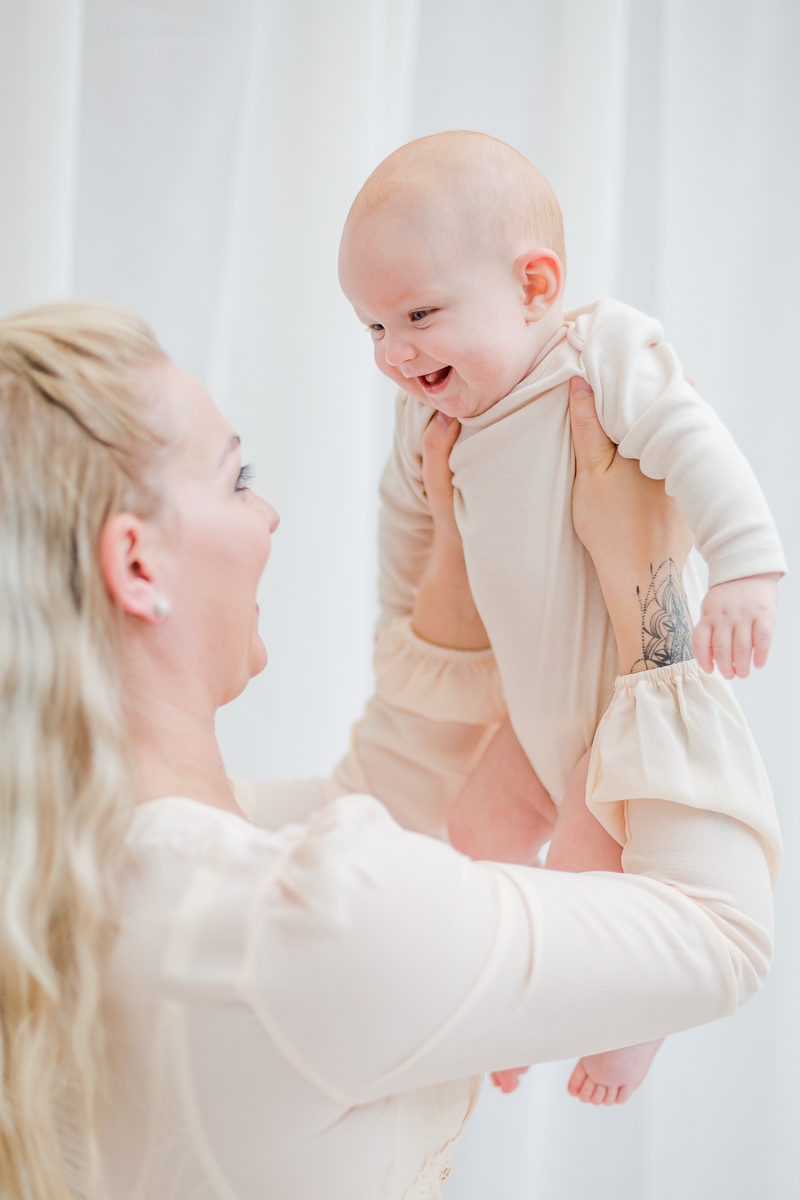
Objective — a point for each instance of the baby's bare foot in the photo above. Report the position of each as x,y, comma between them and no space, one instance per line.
508,1081
612,1077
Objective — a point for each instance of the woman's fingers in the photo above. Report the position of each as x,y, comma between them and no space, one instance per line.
594,450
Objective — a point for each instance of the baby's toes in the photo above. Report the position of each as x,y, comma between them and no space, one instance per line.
576,1079
508,1081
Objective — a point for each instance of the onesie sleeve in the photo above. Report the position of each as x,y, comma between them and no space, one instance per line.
405,525
651,412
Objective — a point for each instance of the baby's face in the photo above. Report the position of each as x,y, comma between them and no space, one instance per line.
448,322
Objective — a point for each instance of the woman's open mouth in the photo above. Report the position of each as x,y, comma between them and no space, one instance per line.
435,381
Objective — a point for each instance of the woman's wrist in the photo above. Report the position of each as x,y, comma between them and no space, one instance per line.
649,613
444,611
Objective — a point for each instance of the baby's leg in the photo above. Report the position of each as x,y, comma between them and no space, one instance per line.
580,843
502,813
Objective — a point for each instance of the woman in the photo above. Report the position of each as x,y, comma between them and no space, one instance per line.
193,1006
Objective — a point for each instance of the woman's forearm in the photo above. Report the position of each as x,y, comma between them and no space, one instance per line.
649,613
444,611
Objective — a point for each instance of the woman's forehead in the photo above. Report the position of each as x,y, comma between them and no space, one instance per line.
199,426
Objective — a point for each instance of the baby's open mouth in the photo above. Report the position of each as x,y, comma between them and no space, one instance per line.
435,381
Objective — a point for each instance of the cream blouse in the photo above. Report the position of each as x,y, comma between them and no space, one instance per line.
302,1011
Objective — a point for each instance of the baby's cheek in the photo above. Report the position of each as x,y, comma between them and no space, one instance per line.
390,372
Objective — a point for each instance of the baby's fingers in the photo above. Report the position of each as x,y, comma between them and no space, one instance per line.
742,648
762,639
701,642
722,649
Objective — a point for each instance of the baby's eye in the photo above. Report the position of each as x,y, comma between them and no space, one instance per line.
376,330
420,314
244,477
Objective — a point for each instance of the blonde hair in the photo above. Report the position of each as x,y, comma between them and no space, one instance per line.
487,175
75,446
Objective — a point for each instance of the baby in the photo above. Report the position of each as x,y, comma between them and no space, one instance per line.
453,257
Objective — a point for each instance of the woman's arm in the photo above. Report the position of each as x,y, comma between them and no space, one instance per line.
638,542
444,611
429,967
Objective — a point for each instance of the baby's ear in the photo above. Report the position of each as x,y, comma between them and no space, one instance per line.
540,275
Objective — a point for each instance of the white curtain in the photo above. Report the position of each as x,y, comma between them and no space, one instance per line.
196,158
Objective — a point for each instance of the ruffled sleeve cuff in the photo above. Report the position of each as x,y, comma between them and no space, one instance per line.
678,734
436,682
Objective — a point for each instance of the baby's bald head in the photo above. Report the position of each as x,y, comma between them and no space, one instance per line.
488,189
452,256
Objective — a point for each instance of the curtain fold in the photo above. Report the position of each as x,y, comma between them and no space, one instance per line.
40,77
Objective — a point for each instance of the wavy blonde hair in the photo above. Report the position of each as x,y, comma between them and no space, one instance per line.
77,443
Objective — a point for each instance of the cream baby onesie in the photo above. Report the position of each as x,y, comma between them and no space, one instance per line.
533,582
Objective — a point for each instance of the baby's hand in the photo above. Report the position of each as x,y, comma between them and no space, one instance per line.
737,620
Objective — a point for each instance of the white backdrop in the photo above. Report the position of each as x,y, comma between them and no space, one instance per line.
196,158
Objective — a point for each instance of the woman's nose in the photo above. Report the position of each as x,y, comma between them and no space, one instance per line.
267,511
273,520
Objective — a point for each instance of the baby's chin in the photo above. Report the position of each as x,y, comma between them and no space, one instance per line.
457,402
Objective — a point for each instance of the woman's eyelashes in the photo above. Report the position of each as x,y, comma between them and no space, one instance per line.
244,477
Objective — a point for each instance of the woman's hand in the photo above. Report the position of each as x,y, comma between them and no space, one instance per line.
638,542
444,612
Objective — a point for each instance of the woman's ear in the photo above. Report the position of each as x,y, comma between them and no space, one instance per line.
126,560
540,275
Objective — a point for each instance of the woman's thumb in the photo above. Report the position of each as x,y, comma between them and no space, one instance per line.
593,448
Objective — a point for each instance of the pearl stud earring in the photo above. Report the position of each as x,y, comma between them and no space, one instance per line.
161,607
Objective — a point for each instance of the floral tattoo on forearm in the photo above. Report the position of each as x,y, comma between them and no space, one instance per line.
666,620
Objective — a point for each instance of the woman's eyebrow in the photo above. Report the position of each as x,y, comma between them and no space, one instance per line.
232,445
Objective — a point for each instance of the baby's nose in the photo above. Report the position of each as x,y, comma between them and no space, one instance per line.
398,352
